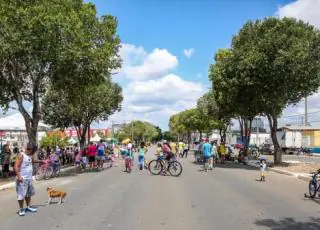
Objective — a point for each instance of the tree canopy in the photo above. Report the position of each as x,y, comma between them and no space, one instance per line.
272,63
91,103
61,44
138,130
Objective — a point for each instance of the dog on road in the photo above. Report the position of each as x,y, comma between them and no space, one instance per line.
56,194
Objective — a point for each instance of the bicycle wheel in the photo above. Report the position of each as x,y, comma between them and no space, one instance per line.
40,174
48,173
155,167
175,168
312,189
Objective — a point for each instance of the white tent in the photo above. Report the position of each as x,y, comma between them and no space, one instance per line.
96,138
72,141
15,122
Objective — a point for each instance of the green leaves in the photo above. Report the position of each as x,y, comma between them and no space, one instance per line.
139,130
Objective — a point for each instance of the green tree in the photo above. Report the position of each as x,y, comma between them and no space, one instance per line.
177,129
279,60
92,103
138,131
54,139
233,98
61,43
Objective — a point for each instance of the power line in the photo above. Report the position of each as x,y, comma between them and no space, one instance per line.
302,114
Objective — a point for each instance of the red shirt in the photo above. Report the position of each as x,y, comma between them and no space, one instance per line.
92,151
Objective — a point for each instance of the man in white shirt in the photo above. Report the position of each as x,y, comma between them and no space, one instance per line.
24,184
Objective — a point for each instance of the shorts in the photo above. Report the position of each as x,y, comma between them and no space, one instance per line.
206,158
169,156
263,173
100,158
6,168
92,159
25,189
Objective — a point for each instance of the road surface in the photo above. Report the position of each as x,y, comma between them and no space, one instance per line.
227,198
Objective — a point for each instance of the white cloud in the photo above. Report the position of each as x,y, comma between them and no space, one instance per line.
188,52
157,99
140,65
306,10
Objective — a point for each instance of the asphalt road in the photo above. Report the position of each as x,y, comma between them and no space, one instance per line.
227,198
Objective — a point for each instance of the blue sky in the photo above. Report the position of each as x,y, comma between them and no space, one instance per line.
169,44
204,25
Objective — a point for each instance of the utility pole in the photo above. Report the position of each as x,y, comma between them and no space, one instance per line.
306,111
112,129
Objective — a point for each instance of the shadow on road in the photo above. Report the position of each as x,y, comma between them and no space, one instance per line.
231,165
289,224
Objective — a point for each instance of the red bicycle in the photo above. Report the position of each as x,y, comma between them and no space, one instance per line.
47,170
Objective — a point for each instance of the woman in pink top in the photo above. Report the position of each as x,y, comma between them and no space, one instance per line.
92,151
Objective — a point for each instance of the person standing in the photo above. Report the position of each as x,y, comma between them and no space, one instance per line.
173,147
141,155
206,150
92,150
180,147
6,162
24,183
214,154
100,154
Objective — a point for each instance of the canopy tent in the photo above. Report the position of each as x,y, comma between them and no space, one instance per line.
15,122
96,138
112,140
72,141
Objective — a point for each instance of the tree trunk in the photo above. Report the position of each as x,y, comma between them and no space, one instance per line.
249,130
88,133
273,123
241,129
31,123
200,138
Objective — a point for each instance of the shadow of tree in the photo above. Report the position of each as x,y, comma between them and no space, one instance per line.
290,224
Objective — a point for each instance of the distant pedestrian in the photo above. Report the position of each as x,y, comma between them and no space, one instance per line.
214,154
6,162
207,151
141,155
24,183
180,148
92,155
263,168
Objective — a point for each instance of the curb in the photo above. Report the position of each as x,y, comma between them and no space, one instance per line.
283,172
11,185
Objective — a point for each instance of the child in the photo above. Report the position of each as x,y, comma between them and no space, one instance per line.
159,152
263,167
141,152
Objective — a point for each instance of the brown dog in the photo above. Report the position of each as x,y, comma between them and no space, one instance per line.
52,193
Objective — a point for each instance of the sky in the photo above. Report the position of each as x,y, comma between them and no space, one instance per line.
168,45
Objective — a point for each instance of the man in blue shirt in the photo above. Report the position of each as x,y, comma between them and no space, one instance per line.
207,153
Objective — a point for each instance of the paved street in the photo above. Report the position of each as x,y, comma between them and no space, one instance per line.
227,198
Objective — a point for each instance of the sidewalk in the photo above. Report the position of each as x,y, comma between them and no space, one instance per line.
11,183
299,175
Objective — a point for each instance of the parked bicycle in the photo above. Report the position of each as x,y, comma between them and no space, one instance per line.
314,185
47,170
160,165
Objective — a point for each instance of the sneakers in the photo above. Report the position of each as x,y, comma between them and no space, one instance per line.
22,212
29,209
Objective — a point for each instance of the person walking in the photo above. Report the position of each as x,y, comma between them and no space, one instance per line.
100,157
141,155
92,151
6,162
24,183
206,150
214,154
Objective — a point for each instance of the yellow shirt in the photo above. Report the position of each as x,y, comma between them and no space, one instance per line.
173,147
222,150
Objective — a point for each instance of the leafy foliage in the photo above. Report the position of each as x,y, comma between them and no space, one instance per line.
59,43
139,130
54,139
91,103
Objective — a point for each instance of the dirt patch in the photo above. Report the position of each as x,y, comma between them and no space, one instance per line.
298,167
